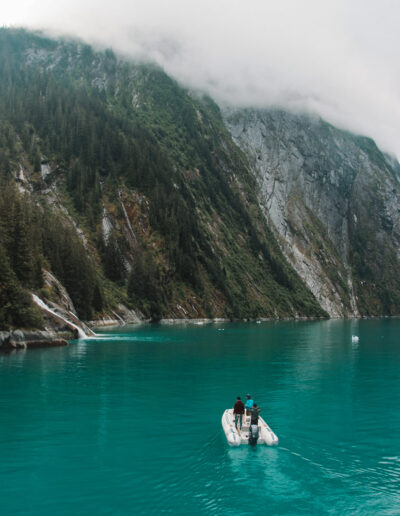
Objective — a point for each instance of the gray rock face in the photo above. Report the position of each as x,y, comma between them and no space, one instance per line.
121,316
320,189
17,339
60,294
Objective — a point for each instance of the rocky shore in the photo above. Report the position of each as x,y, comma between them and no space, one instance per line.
19,339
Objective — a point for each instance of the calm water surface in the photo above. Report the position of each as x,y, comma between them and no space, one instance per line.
130,423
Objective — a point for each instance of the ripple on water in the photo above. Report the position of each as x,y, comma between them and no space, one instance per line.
130,423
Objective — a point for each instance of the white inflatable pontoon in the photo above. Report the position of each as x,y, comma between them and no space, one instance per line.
236,438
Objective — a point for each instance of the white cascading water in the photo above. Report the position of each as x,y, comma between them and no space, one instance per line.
43,306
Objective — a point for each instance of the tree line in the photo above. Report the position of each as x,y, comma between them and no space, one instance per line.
33,237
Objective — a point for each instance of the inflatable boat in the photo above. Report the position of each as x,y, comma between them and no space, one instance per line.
249,434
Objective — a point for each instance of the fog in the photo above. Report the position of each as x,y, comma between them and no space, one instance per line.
336,58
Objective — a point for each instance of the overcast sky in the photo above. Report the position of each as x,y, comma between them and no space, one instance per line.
339,58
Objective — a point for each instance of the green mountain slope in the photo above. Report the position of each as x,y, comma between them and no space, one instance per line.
134,191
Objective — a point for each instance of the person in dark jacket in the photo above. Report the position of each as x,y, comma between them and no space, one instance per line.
238,411
255,412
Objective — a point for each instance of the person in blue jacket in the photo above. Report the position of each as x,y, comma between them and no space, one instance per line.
249,405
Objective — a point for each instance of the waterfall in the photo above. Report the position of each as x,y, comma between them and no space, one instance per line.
118,317
85,327
43,306
128,222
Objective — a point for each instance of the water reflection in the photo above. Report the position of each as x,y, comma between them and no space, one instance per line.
101,422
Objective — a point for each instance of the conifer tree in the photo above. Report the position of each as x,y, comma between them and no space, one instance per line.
16,307
22,252
113,260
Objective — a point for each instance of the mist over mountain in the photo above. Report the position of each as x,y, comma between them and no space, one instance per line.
124,194
334,58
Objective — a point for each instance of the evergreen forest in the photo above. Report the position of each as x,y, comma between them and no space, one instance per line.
128,189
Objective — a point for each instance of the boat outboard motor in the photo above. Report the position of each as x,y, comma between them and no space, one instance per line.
253,434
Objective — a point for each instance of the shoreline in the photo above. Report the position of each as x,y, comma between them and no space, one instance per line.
21,339
220,320
32,339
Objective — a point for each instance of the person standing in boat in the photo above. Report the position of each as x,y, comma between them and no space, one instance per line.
255,412
249,405
238,411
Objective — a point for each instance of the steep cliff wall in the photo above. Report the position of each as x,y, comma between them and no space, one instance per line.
123,195
333,201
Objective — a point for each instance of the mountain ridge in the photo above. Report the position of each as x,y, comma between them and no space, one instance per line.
120,143
164,199
313,185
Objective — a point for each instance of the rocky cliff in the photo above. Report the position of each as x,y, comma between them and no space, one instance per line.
128,191
333,200
124,196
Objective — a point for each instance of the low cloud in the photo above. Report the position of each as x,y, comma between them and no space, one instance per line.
336,58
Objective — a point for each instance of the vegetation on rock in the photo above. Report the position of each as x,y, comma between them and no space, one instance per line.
92,140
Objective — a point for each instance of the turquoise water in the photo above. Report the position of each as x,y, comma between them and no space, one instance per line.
130,423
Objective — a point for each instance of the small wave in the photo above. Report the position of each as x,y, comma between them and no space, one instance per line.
124,338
